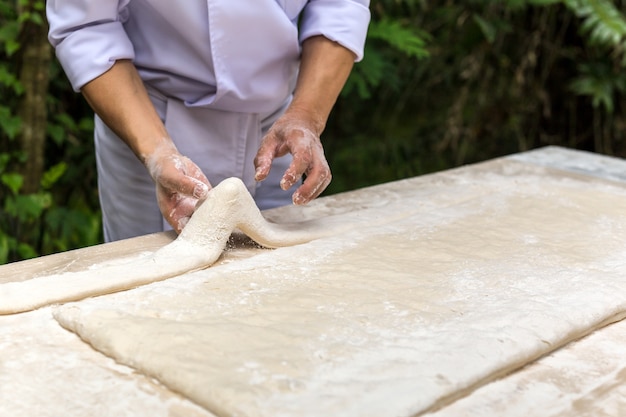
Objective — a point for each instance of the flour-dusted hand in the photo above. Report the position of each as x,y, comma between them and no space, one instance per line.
180,184
324,68
120,99
294,134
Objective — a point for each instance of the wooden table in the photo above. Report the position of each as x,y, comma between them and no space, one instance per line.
46,370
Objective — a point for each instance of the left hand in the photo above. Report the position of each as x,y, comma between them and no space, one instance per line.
294,133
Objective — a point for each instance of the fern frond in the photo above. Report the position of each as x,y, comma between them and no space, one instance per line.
403,38
604,23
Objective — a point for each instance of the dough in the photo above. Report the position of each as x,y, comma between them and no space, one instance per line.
46,371
228,207
586,379
388,319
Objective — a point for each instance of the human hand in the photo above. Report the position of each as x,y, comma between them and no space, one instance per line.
180,184
293,133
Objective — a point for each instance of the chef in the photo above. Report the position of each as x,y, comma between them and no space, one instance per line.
188,93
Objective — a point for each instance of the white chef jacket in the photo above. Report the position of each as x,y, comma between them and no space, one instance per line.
218,71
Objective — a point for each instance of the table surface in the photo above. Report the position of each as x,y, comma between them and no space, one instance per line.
48,371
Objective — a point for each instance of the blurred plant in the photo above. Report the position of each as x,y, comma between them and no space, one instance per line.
34,172
442,84
386,38
492,77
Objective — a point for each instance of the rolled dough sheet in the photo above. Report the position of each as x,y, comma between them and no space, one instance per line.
395,319
46,371
585,379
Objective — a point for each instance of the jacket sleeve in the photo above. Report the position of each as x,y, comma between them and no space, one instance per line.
88,36
342,21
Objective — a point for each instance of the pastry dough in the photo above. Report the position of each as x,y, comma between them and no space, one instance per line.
391,319
228,207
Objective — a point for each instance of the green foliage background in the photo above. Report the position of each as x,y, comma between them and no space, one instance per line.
442,84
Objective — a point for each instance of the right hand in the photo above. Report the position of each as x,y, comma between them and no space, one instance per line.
180,184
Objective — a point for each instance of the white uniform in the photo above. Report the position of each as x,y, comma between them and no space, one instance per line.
219,72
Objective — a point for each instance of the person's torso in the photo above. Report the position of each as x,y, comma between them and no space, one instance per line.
230,55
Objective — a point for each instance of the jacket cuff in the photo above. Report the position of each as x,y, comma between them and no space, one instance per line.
344,22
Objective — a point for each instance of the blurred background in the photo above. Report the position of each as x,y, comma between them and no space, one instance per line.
443,84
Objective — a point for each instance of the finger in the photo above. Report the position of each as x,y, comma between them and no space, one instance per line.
264,157
316,182
301,163
262,165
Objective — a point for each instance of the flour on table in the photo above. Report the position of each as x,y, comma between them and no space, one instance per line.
391,318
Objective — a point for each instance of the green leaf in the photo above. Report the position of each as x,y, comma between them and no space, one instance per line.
602,20
10,124
367,74
26,251
52,175
66,121
10,80
11,46
600,82
488,30
28,207
44,200
405,39
36,18
9,31
4,160
86,124
599,91
24,17
56,132
12,180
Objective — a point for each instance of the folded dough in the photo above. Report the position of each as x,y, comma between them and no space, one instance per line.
228,207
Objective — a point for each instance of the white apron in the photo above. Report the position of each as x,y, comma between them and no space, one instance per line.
223,144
